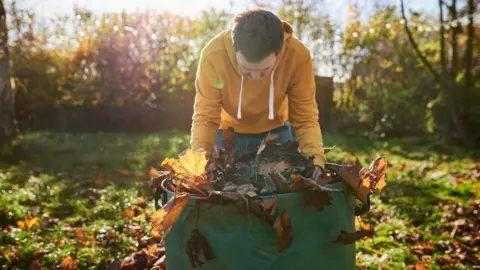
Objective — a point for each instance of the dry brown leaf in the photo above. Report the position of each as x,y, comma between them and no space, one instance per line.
68,264
269,138
351,175
283,227
317,198
350,238
100,180
228,139
270,205
163,219
40,253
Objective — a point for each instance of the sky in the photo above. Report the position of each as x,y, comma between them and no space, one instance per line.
336,8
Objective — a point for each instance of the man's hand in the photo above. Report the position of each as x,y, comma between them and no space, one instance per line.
317,174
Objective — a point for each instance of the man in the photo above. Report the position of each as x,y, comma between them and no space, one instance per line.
257,78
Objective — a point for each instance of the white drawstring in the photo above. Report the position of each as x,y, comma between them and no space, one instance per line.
270,101
239,111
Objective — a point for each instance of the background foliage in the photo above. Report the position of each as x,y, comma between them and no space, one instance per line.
149,60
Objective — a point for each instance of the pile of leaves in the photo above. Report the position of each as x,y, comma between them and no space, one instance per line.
243,177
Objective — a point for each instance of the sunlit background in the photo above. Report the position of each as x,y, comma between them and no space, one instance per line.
103,91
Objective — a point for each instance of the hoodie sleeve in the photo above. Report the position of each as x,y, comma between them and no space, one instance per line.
207,106
303,112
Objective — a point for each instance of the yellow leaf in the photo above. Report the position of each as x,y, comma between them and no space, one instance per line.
399,69
192,163
153,249
163,219
31,222
167,163
21,224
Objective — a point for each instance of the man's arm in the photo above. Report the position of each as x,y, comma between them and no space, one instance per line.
303,112
207,107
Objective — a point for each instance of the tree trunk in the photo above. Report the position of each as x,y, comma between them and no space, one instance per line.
447,85
469,52
7,116
454,31
443,59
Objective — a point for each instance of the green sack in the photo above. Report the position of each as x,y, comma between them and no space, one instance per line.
236,246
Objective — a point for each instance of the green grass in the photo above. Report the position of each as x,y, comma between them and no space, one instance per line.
83,182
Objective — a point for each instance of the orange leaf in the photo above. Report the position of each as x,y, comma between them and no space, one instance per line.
284,230
128,213
124,172
163,219
79,233
68,264
21,224
378,169
153,249
420,266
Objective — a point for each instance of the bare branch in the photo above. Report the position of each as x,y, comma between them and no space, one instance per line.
415,45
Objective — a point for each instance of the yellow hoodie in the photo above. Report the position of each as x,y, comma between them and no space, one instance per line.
225,98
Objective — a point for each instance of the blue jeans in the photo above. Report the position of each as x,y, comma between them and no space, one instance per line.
250,142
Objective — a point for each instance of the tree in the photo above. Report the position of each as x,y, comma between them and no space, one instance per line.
447,80
7,116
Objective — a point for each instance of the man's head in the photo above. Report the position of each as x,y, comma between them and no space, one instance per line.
257,38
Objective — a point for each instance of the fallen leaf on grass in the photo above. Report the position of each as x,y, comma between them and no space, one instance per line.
79,233
420,266
28,223
163,219
350,238
141,202
128,213
100,180
283,227
68,264
40,253
198,245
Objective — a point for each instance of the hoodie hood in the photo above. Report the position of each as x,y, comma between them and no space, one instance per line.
287,34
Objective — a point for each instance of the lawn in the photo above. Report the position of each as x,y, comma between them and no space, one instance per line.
84,199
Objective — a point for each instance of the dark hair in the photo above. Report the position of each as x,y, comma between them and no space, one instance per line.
257,33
